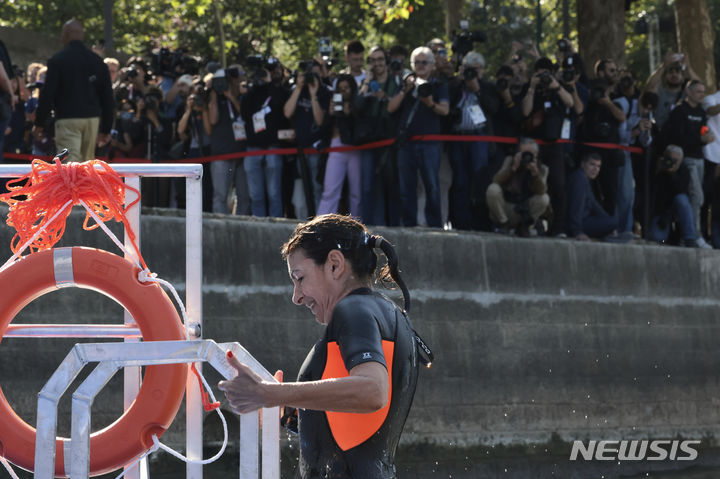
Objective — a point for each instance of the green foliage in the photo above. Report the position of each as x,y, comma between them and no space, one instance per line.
290,29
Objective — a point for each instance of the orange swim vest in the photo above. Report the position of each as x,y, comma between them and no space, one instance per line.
351,429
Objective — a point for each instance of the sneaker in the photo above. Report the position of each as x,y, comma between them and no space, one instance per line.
701,243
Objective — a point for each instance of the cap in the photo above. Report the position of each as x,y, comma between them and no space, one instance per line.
212,67
185,80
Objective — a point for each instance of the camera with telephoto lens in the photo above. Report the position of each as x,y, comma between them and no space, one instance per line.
502,84
526,158
463,42
568,74
469,74
424,90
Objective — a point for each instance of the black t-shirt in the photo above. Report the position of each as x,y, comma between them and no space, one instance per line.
363,323
307,131
272,97
683,129
222,137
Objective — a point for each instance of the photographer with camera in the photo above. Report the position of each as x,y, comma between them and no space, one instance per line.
227,135
355,59
544,106
627,99
668,81
687,128
262,112
194,129
474,103
380,196
342,164
671,203
422,102
587,218
601,124
307,108
444,68
518,194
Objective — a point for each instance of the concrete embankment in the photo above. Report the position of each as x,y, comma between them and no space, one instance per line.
533,338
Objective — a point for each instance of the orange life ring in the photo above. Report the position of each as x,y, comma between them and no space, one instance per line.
163,386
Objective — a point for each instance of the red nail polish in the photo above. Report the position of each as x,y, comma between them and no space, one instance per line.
230,354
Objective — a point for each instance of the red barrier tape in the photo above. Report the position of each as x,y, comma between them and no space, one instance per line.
366,146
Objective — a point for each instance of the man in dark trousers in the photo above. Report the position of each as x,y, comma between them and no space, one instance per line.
587,218
78,88
686,128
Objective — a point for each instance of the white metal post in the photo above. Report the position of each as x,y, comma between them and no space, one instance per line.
132,377
193,302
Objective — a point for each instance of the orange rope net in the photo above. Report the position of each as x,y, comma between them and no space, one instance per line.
36,197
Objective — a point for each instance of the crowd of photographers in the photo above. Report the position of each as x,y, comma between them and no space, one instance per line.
560,163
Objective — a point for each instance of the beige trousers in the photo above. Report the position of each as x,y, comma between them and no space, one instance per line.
502,212
79,136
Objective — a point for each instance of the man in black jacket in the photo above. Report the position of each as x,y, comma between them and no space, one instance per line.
686,128
78,88
671,204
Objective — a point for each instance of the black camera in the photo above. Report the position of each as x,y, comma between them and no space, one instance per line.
526,158
666,162
254,61
271,63
469,74
568,74
502,84
424,90
545,79
131,72
596,94
625,83
563,45
463,42
167,63
200,96
233,72
396,66
220,84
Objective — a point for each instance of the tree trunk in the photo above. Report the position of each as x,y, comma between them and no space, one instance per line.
453,15
601,31
695,37
221,33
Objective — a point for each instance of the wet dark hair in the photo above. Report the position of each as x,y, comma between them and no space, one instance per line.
317,237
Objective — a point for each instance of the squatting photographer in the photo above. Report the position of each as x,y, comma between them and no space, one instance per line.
518,194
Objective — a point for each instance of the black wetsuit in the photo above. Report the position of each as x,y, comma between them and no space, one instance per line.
362,324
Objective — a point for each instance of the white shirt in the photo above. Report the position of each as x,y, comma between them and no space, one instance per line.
712,150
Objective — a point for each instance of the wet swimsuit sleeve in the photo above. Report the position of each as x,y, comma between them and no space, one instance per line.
357,332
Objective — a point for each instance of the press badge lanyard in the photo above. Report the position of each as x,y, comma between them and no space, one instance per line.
259,116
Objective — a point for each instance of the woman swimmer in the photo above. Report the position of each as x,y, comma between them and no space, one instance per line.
356,386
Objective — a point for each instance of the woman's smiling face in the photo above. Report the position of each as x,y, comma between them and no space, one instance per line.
313,285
